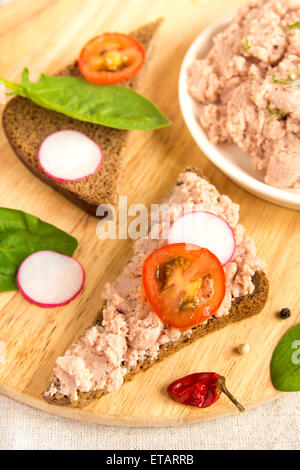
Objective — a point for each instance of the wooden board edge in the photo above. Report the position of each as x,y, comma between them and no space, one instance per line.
133,421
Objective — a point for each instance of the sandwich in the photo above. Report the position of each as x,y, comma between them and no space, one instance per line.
175,289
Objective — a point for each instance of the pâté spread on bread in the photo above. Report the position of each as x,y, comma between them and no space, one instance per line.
131,331
249,85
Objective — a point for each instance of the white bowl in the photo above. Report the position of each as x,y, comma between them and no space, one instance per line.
228,158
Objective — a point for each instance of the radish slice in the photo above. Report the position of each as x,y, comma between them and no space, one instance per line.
49,279
69,156
206,230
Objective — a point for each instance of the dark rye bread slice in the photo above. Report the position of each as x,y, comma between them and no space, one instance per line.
26,125
242,308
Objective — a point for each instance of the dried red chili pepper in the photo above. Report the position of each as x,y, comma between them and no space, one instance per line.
201,390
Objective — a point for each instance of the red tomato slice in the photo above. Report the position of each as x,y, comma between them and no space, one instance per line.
111,58
184,284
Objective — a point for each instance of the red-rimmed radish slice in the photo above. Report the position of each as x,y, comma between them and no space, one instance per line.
205,230
49,279
69,156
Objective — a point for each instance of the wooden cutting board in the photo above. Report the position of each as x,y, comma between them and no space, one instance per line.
46,35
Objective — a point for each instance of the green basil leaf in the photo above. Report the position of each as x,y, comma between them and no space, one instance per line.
109,105
22,234
285,363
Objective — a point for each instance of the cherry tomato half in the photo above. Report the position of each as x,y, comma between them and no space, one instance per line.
111,58
184,284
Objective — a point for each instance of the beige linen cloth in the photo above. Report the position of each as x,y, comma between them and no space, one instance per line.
273,426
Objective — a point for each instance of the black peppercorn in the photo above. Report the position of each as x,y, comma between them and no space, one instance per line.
285,313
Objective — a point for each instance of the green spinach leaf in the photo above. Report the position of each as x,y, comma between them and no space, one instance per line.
22,234
109,105
285,363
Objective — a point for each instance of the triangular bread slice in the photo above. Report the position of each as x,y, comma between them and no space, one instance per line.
26,125
242,307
